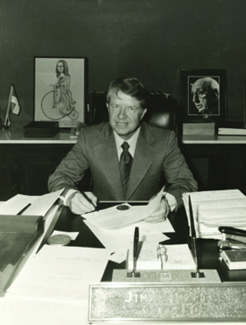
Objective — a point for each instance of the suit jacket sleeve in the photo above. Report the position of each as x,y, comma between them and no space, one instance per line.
178,176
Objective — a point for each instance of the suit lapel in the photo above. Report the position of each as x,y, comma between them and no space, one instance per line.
107,156
143,158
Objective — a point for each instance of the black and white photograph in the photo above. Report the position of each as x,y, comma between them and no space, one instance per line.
204,93
122,162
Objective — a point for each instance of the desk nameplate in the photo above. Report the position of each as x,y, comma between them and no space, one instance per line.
138,302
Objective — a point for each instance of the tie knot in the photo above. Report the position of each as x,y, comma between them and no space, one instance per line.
125,146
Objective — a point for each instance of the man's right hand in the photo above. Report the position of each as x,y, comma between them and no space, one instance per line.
78,204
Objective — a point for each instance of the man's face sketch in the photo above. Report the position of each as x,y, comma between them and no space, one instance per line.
205,95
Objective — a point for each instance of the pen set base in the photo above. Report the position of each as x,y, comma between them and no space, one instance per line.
133,274
167,276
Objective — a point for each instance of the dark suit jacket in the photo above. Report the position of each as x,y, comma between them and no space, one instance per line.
157,160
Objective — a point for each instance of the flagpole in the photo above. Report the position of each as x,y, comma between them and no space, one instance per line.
7,118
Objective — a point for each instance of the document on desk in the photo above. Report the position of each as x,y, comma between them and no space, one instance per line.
115,227
36,205
117,241
117,218
61,273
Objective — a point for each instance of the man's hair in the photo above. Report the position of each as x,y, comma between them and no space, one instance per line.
129,86
207,84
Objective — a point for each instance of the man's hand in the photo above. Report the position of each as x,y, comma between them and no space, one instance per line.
78,204
161,214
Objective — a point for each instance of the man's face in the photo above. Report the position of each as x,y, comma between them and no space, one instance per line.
199,98
125,114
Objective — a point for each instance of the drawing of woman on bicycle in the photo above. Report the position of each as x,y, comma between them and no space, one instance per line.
63,96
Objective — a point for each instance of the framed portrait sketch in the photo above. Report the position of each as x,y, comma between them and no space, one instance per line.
59,90
203,95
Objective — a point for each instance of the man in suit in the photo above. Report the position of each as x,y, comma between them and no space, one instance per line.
149,158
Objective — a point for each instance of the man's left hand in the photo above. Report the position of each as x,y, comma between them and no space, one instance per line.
161,214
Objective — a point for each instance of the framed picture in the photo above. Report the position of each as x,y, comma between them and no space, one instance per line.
59,90
203,95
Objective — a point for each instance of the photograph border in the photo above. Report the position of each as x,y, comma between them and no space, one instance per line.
220,75
60,98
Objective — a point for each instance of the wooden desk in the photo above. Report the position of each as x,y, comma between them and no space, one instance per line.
18,311
208,253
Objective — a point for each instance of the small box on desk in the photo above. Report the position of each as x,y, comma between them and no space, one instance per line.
198,128
41,129
235,259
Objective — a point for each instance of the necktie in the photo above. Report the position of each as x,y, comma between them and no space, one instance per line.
125,164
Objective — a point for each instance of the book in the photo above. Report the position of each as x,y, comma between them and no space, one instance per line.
17,238
231,131
152,256
234,259
204,128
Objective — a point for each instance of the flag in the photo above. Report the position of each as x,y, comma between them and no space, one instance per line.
15,106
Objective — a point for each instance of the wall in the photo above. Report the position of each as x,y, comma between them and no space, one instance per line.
149,39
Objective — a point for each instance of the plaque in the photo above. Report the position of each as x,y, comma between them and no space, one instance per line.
141,302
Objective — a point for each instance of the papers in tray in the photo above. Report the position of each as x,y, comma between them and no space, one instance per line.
212,209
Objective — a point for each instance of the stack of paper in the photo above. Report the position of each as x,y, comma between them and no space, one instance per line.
231,131
30,205
212,209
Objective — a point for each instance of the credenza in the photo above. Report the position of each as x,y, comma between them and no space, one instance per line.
217,162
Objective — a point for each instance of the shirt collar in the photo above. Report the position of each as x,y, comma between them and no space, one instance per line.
131,141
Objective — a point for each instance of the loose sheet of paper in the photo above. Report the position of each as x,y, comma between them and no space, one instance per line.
121,254
113,218
60,272
117,241
40,205
115,228
178,257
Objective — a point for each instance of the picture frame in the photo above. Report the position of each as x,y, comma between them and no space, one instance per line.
203,95
59,92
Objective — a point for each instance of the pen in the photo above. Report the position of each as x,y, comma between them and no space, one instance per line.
193,237
135,248
89,200
24,209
